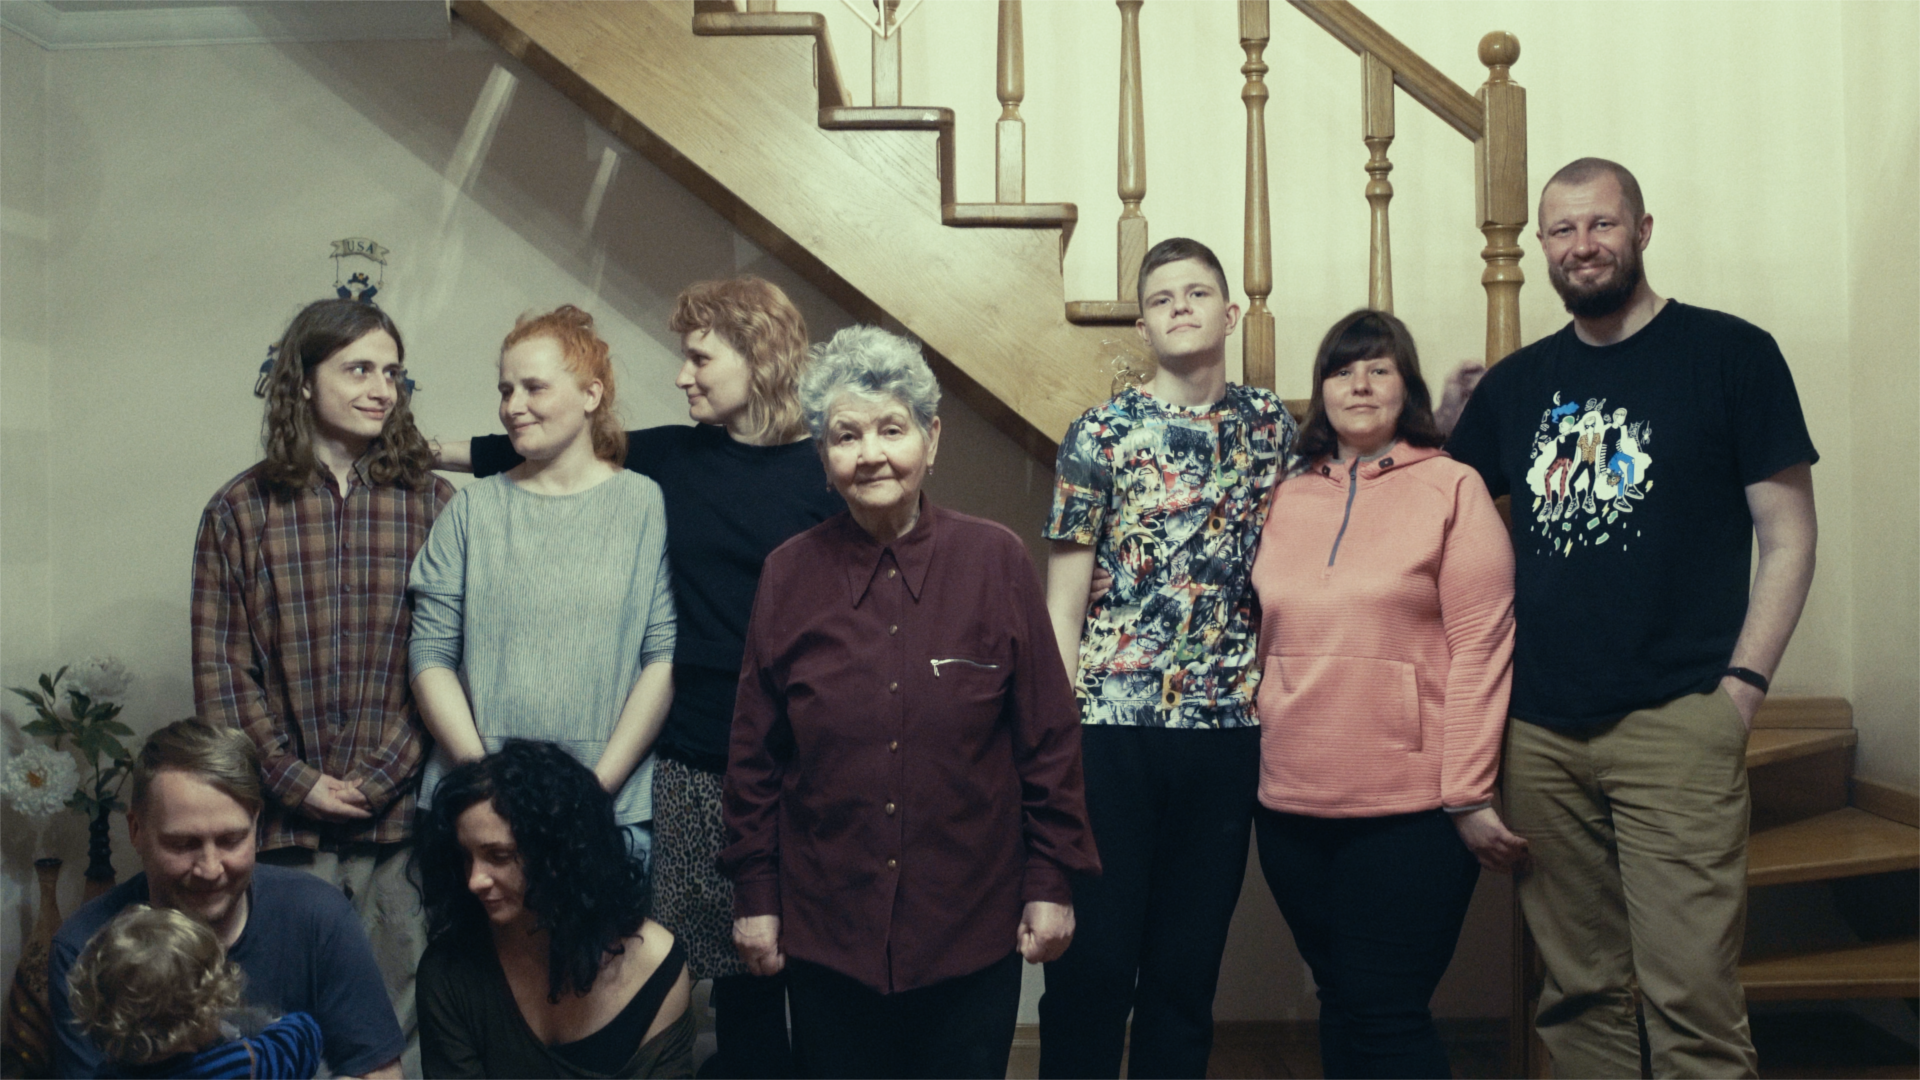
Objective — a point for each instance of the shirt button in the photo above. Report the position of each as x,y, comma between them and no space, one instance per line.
893,687
894,629
890,809
893,747
346,588
893,573
893,864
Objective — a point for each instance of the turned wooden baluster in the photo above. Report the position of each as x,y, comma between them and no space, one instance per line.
1256,330
1500,190
886,56
1133,154
1376,106
1010,149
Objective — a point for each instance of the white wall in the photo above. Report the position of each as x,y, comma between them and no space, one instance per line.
1883,318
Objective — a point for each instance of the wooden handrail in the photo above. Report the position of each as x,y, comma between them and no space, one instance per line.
1010,134
1376,106
1133,154
1256,330
1422,81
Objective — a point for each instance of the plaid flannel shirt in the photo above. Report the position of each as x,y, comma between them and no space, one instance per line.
300,623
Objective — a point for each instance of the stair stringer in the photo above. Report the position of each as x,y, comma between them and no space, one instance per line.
857,213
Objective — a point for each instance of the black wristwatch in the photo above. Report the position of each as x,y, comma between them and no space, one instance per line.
1748,676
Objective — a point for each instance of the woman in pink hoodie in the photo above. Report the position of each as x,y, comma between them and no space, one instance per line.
1386,644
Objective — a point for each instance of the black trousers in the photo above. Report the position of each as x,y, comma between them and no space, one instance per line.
1375,905
962,1027
1172,811
749,1029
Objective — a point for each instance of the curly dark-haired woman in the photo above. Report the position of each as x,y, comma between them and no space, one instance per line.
542,961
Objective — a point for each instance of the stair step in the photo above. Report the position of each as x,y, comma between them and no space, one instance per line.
833,92
1804,712
1768,745
1103,312
1843,843
1881,969
886,118
1011,215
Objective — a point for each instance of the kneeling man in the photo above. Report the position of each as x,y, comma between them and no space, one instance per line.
194,817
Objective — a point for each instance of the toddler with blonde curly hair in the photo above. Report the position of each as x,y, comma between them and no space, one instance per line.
156,993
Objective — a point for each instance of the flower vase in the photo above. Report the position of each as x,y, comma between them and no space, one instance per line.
100,875
26,1048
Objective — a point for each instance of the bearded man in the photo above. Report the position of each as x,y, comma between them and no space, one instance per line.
1641,653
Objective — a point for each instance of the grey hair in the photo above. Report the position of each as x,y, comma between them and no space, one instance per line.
872,363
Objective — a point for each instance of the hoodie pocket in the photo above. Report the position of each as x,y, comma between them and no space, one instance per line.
1339,728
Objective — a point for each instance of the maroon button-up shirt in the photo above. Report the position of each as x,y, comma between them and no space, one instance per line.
905,763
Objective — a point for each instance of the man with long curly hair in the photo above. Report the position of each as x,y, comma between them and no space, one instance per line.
300,618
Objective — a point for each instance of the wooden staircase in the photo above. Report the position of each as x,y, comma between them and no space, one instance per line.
1812,822
748,110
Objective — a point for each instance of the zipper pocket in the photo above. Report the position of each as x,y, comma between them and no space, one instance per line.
970,663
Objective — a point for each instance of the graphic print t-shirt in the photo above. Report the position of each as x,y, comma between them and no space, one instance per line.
1172,500
1628,466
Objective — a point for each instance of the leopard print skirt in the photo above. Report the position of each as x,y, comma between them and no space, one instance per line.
691,897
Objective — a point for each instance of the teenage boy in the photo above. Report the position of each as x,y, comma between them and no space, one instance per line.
300,621
1164,488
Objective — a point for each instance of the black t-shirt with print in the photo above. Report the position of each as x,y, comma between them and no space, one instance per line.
1628,466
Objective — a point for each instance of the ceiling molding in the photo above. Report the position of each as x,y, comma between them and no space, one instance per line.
65,24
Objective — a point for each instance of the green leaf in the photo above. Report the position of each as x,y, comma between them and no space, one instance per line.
113,747
39,727
78,801
47,684
116,727
81,704
31,695
107,711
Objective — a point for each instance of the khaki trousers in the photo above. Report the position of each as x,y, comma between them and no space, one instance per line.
374,879
1638,834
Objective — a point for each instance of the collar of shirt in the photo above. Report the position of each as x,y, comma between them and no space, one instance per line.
866,558
323,478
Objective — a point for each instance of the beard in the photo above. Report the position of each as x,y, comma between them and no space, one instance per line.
1605,296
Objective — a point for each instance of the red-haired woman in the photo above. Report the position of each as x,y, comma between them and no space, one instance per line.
526,621
738,482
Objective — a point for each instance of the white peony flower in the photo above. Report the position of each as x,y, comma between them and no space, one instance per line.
101,678
39,780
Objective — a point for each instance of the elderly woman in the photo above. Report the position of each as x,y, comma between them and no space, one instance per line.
1386,591
741,480
542,961
903,794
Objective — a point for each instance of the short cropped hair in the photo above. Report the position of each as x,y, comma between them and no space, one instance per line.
870,362
757,318
586,355
151,984
1588,169
1364,335
222,757
1173,250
